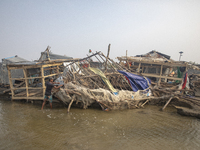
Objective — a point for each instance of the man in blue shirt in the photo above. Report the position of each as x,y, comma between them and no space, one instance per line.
48,96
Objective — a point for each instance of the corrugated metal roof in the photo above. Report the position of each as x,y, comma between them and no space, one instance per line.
53,56
152,54
15,59
24,63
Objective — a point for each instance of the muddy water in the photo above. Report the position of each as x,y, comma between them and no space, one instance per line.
25,126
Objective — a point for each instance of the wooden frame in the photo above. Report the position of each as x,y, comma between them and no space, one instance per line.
32,93
161,65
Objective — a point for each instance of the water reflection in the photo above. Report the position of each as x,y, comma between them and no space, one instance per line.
25,126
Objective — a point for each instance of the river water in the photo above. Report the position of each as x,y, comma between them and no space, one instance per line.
25,126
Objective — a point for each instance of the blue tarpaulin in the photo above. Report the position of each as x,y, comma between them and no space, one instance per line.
137,82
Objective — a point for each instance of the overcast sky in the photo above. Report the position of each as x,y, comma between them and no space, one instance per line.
72,27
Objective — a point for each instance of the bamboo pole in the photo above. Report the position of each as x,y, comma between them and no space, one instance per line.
99,60
139,68
83,58
167,103
114,69
8,90
33,98
85,70
43,81
144,103
107,57
170,64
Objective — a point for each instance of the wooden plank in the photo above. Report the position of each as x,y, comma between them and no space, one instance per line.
50,75
163,77
58,71
148,65
21,66
11,66
160,74
8,90
50,65
34,93
152,62
30,88
25,78
34,98
11,84
36,77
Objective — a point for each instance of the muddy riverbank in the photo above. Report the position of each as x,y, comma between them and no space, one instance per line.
25,126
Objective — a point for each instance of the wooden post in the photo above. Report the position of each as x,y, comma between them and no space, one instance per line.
26,82
69,106
107,56
73,71
139,68
126,56
142,69
10,80
43,81
144,103
160,74
127,59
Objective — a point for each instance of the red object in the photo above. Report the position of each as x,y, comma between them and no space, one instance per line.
85,65
128,80
185,81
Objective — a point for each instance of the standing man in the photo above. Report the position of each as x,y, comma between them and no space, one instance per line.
48,96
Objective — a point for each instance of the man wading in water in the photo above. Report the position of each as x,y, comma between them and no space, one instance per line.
48,96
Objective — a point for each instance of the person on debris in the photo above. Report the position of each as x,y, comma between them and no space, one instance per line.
48,96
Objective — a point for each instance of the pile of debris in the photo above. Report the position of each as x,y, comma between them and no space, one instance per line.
179,97
112,86
104,82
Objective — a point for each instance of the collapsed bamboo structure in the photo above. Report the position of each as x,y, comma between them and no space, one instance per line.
86,77
95,79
